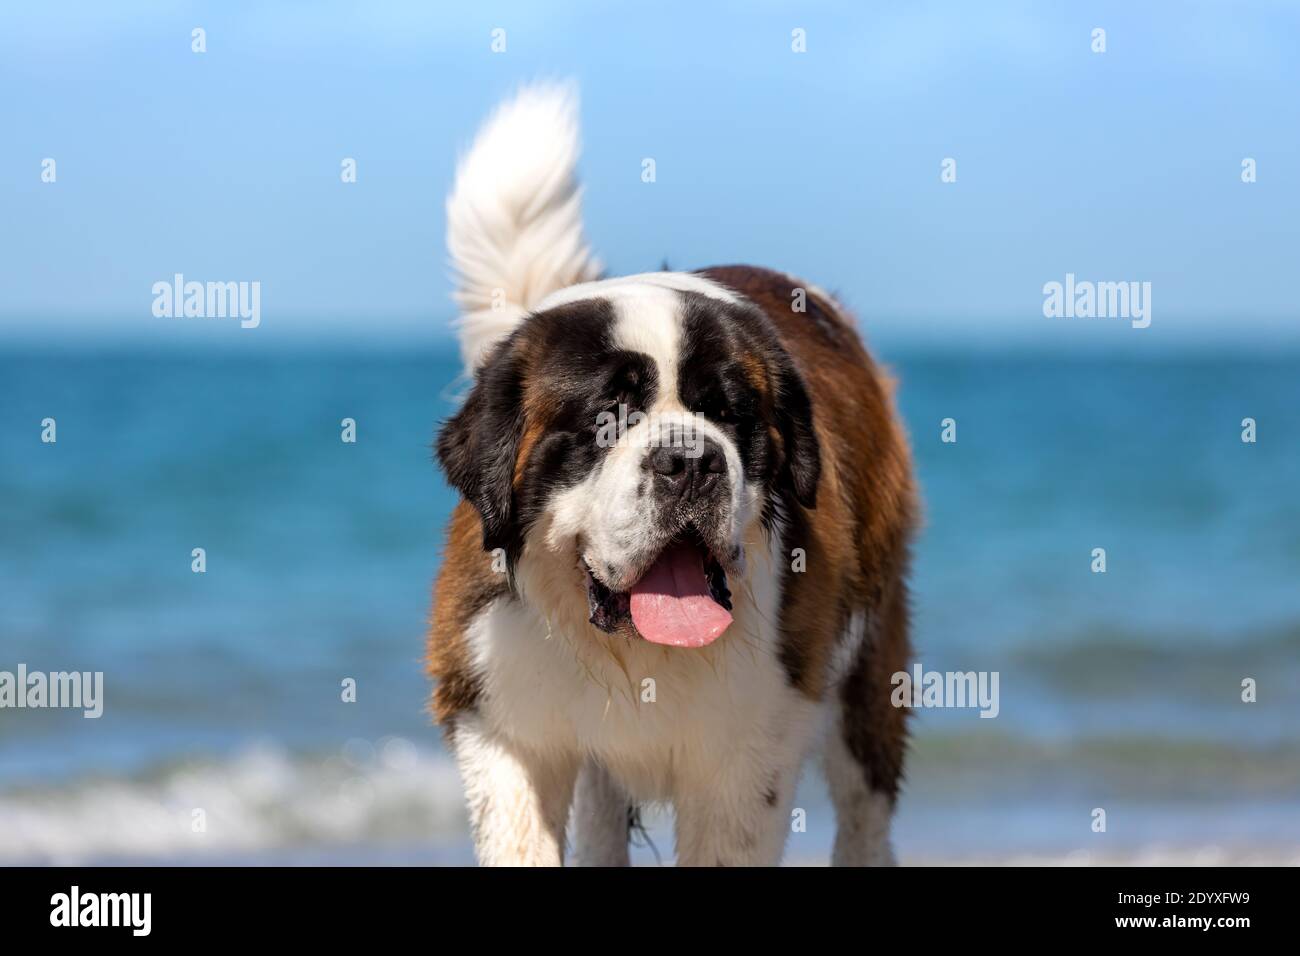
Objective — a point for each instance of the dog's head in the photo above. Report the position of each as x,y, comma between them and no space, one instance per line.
638,433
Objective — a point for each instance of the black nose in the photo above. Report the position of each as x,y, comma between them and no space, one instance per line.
688,473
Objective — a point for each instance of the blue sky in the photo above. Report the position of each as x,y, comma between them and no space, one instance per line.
225,166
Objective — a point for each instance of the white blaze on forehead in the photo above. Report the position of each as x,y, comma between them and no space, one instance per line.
648,310
650,322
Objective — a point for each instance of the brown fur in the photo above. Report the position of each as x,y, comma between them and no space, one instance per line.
856,540
466,584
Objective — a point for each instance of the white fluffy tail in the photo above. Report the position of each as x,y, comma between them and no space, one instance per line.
514,218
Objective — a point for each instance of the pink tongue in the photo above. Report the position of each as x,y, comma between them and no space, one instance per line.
671,603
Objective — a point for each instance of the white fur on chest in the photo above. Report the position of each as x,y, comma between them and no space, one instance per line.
660,718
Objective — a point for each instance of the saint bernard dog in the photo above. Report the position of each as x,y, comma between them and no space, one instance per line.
680,608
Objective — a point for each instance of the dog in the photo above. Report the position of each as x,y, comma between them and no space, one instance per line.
679,564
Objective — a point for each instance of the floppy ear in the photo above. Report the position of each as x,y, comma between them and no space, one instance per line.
802,467
478,446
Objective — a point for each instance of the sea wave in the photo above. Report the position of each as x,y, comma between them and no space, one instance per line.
392,801
260,799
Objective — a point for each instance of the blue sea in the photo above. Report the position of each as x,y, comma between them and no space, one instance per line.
1119,690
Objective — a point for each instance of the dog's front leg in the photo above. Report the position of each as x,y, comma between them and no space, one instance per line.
518,799
738,817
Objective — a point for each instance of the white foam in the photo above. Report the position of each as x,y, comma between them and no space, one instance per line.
262,799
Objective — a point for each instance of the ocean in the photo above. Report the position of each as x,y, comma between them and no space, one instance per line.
1119,691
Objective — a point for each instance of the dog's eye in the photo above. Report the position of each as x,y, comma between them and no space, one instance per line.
714,405
625,386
